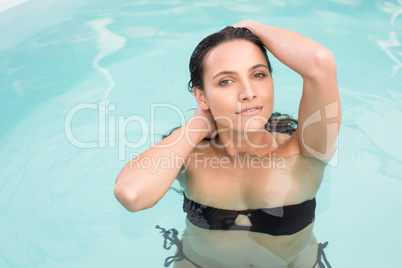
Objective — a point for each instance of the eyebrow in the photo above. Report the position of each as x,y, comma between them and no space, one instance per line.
232,72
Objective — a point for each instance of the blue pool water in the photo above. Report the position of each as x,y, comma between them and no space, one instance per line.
110,61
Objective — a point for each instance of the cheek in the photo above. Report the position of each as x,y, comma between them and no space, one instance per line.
221,102
269,94
218,108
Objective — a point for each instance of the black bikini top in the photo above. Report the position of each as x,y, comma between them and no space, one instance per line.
285,220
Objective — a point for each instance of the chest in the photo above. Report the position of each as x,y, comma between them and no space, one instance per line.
246,182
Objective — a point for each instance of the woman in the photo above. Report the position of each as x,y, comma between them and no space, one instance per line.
250,190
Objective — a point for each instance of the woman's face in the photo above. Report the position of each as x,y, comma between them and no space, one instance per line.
236,77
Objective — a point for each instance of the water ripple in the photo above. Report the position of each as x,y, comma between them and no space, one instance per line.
59,204
392,8
392,46
369,127
389,46
108,43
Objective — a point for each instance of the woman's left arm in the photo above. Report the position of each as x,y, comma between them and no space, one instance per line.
320,109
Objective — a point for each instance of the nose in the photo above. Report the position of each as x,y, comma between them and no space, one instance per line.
246,93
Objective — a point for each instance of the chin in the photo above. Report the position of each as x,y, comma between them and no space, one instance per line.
254,125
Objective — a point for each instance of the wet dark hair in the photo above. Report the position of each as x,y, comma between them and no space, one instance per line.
281,123
225,35
278,122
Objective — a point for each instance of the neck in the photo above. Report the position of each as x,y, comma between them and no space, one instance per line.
258,143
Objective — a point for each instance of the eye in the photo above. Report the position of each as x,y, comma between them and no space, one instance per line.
225,82
259,75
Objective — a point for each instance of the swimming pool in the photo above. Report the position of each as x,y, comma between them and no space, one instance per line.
80,80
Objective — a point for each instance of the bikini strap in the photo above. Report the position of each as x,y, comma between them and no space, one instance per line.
321,253
171,238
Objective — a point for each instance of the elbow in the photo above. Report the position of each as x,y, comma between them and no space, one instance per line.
322,65
128,198
324,62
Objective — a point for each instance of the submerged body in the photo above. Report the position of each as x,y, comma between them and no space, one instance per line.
247,249
245,182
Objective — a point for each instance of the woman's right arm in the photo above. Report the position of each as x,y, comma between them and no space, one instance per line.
140,185
320,111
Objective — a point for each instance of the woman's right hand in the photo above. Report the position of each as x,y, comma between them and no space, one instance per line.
208,124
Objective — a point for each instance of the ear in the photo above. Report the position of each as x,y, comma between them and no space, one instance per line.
200,98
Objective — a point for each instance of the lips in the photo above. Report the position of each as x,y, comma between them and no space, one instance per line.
251,109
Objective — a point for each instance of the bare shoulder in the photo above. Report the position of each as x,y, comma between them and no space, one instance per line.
204,148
